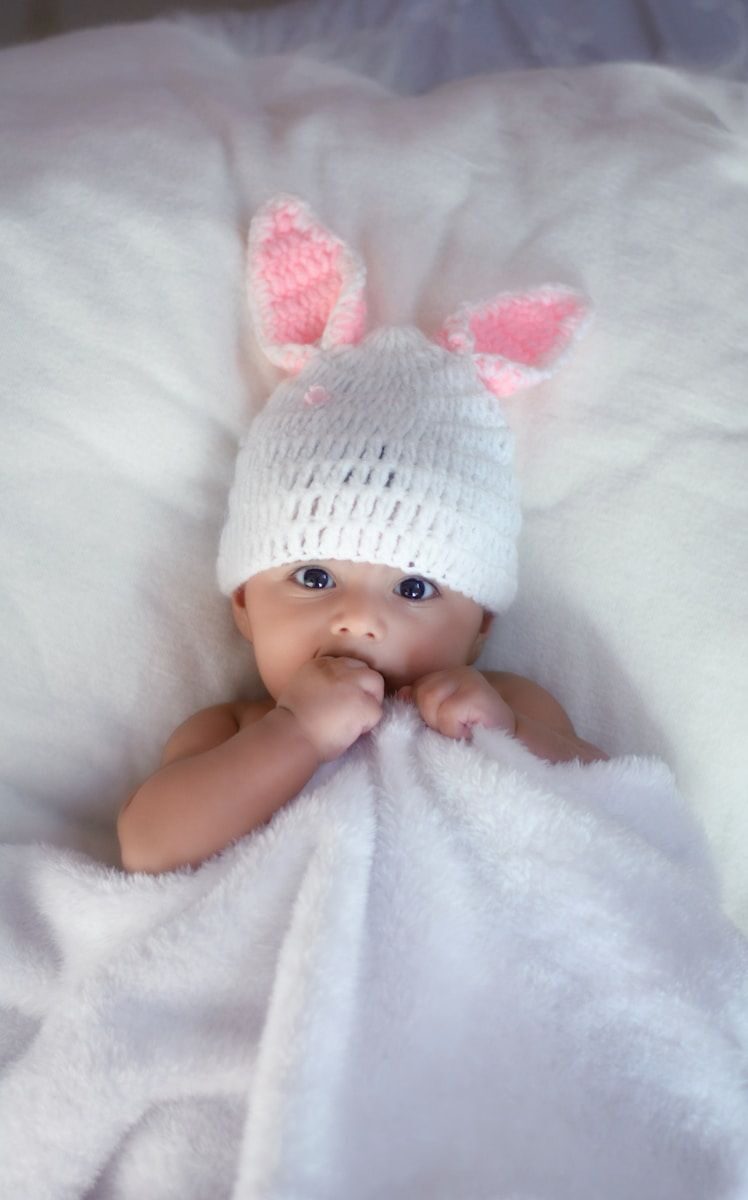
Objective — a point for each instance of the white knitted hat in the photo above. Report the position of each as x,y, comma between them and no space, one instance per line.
391,451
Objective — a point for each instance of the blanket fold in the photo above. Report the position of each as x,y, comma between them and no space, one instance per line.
446,969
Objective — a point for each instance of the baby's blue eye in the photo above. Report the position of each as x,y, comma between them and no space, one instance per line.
313,577
415,588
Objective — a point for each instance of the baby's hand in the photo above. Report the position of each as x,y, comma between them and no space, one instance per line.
454,700
334,701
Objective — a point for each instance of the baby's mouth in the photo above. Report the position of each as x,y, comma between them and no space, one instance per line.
340,653
389,686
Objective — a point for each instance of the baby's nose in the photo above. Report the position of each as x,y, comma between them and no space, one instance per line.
360,621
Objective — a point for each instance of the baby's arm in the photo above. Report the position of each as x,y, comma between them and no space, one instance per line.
218,781
453,700
541,723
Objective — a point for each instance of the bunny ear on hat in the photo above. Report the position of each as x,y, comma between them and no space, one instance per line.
305,285
517,339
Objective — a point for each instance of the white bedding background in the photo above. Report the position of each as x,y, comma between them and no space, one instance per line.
412,45
131,160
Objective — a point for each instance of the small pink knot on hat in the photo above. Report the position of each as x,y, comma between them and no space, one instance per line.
413,465
316,395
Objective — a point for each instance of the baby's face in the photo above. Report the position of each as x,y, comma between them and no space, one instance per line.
400,624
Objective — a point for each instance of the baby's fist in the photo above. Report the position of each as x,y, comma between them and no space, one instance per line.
334,701
453,700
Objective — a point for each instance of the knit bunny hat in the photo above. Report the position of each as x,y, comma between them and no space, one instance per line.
391,449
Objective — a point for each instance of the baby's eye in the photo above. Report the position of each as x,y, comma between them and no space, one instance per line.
313,577
415,588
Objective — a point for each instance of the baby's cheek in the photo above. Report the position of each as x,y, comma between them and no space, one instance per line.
434,654
276,666
416,665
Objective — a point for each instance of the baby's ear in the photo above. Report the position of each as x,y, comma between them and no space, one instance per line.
486,623
482,634
517,339
240,613
305,285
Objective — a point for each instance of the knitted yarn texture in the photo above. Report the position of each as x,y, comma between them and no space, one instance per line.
404,459
390,450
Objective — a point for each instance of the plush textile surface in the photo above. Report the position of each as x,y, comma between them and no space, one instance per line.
444,970
130,163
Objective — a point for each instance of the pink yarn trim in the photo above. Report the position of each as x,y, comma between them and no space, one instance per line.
306,287
515,339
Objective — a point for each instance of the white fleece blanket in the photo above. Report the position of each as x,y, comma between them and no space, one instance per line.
444,970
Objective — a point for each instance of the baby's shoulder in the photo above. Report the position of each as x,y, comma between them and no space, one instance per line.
246,712
530,699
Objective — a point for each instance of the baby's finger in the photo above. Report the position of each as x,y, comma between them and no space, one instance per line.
368,680
455,718
430,693
589,753
373,713
372,682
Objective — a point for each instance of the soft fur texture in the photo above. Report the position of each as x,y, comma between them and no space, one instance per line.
445,970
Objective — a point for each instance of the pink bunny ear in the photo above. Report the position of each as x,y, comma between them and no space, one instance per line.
306,287
515,339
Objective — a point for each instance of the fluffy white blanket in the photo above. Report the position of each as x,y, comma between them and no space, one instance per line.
444,970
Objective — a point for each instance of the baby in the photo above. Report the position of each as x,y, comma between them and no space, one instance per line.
370,542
